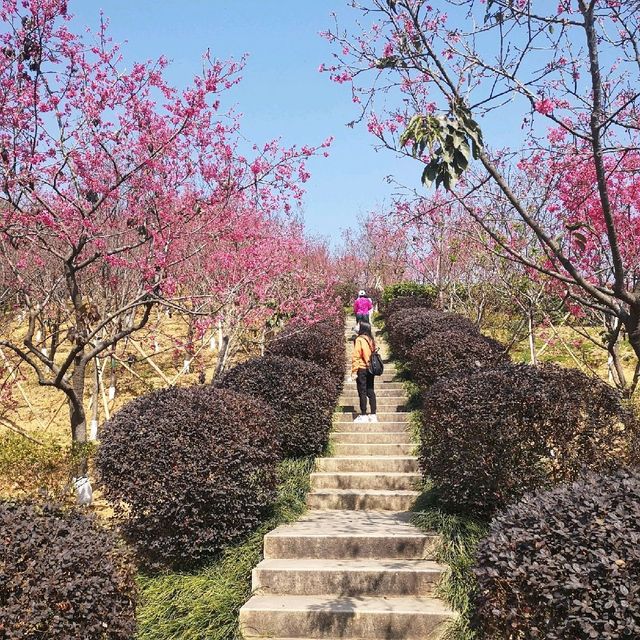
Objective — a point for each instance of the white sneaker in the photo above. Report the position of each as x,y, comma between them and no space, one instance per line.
362,418
373,418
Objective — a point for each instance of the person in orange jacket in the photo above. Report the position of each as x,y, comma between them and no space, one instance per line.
363,347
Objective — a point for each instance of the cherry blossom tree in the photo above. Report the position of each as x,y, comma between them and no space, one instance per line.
374,253
108,180
426,76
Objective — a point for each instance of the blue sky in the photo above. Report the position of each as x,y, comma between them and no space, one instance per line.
282,93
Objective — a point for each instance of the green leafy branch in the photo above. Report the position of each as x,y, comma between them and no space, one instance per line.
451,141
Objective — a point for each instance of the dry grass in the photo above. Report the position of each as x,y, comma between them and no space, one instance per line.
564,346
43,412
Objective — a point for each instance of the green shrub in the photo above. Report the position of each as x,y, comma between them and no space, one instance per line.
62,576
406,327
189,471
453,351
301,393
322,343
564,564
408,290
489,437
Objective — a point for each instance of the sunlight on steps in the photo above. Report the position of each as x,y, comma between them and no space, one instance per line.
354,566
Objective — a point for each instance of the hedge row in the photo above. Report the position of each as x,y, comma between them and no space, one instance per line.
514,442
62,576
564,564
322,343
187,470
301,393
192,470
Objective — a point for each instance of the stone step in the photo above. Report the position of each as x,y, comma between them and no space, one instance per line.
350,534
371,427
383,391
383,416
381,405
389,395
365,480
371,464
362,499
377,437
394,618
383,380
346,577
405,449
380,385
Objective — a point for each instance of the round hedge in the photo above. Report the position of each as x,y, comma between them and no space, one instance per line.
452,350
301,393
322,343
406,302
62,576
489,437
189,470
564,564
405,328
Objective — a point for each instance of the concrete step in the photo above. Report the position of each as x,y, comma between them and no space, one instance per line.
405,449
390,388
392,395
350,534
382,391
383,416
365,480
380,385
370,464
377,437
394,618
383,380
371,427
346,577
362,499
382,406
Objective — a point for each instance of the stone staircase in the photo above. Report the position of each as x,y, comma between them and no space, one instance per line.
354,566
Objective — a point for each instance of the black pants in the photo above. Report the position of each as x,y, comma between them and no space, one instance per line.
364,383
362,317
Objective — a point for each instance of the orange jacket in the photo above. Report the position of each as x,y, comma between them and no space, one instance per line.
362,350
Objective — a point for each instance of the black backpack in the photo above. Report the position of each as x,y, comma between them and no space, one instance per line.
376,366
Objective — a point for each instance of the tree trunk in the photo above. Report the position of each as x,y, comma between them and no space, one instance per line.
222,356
632,324
112,378
532,342
616,372
93,428
76,404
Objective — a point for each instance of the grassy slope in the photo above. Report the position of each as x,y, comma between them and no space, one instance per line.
205,603
459,535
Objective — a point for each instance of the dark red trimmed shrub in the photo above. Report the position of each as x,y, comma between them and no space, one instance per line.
322,343
301,393
453,351
489,437
406,302
189,470
62,576
407,327
564,564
